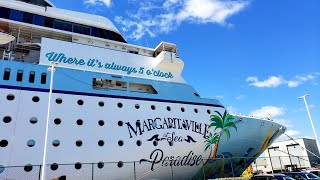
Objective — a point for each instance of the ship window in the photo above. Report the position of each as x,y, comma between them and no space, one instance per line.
153,107
38,20
28,168
77,28
27,18
120,164
35,99
109,35
19,75
182,109
102,34
16,15
31,143
79,143
3,143
106,84
10,97
62,25
54,166
7,119
139,143
117,37
57,121
31,76
101,103
77,166
43,78
101,143
101,123
196,110
120,123
56,143
80,122
142,88
168,108
86,30
33,120
4,13
120,143
6,75
80,102
208,111
58,100
100,165
48,22
1,169
95,32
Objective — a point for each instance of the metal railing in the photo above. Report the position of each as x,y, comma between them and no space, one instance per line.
219,167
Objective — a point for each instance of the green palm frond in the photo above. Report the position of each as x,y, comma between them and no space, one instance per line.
227,132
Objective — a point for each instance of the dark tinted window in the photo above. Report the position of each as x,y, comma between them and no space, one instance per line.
6,75
109,35
102,34
38,20
117,37
27,18
94,32
77,28
16,15
31,77
63,25
19,75
86,30
48,22
4,13
43,78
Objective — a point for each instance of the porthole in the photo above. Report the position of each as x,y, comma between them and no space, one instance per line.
139,143
80,102
56,143
208,111
153,107
196,110
138,124
120,143
171,143
137,106
3,143
77,166
28,168
79,143
196,94
57,121
10,97
54,166
120,164
58,100
101,123
100,165
168,108
80,122
120,105
2,168
31,143
7,119
182,109
101,143
155,143
101,103
35,99
120,123
33,120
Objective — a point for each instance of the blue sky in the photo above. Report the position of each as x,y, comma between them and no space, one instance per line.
256,56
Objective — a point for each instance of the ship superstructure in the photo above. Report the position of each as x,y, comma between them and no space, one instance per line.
118,111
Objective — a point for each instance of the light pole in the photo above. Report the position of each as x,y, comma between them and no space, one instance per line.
43,170
314,131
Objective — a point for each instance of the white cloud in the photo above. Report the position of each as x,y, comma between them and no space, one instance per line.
284,122
275,81
240,97
98,2
268,111
272,81
162,16
292,132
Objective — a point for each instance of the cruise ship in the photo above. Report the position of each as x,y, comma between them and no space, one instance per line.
78,102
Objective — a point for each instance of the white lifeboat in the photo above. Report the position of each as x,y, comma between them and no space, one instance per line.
5,38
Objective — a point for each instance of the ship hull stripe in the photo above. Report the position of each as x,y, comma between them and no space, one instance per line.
106,95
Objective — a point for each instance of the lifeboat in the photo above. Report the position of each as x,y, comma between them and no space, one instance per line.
5,38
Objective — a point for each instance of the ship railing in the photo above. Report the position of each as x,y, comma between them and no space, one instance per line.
221,166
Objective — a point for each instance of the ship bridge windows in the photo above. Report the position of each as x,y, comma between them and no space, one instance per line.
19,75
38,20
106,84
43,78
142,88
32,77
6,75
16,15
48,22
27,18
62,25
4,13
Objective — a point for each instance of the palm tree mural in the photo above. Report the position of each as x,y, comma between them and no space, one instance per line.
222,123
